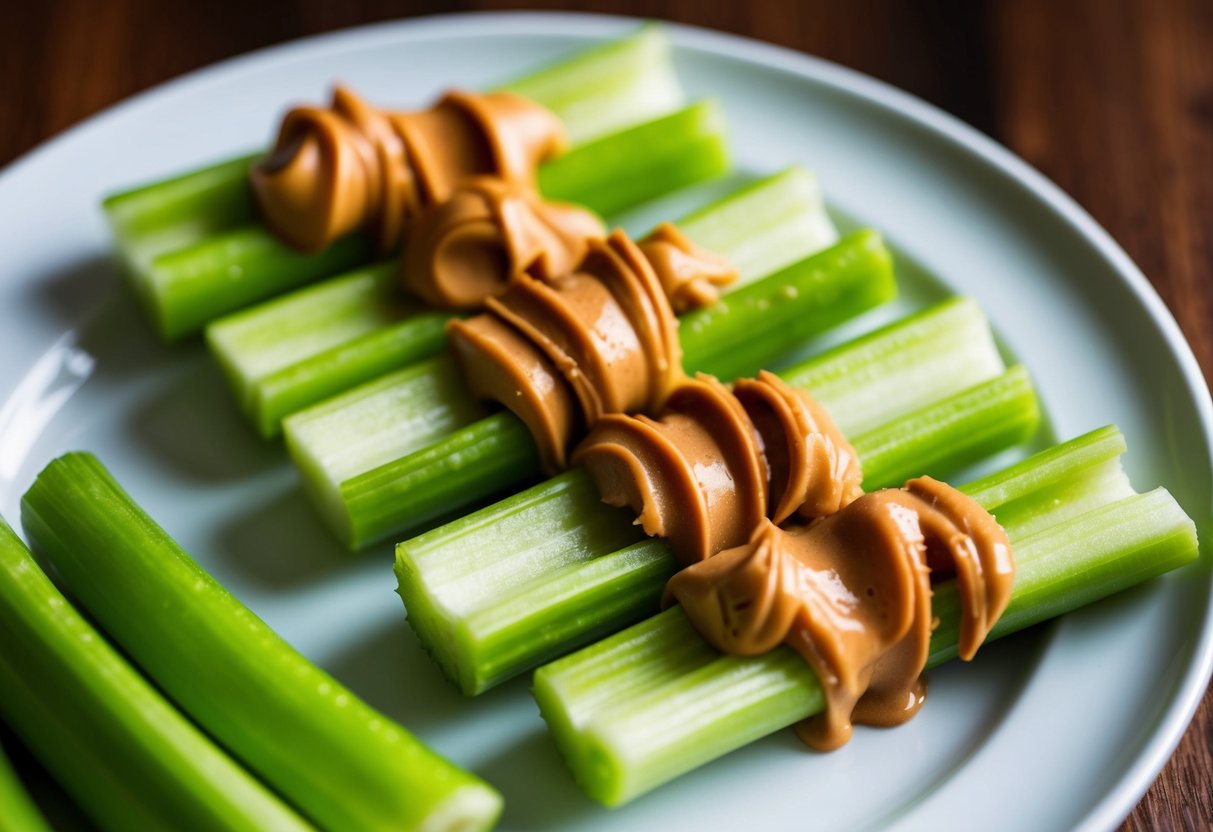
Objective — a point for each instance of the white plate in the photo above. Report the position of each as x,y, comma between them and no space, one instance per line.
1059,728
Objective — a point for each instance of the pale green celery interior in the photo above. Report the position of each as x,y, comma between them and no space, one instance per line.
348,435
258,341
769,225
608,87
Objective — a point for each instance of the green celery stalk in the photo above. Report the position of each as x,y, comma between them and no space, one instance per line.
655,701
342,763
126,755
185,288
301,348
338,440
189,286
307,346
194,250
16,807
751,326
765,226
499,592
400,492
616,172
607,87
177,212
949,434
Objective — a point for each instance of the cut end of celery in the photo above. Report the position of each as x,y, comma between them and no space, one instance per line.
322,489
434,627
590,766
472,808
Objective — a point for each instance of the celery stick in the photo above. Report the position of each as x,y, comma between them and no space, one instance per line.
195,251
767,225
643,162
751,326
178,212
654,701
931,354
488,603
16,808
366,503
339,440
607,87
311,344
185,288
343,764
127,756
967,426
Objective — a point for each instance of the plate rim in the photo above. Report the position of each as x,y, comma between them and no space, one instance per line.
1172,725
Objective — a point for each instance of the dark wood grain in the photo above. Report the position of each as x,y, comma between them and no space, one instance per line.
1112,100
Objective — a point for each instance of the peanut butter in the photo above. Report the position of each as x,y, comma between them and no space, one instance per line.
350,166
691,275
851,592
464,250
812,469
606,332
717,462
696,476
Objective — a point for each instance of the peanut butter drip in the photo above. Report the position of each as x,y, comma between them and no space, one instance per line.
465,250
852,594
717,462
350,166
692,276
605,334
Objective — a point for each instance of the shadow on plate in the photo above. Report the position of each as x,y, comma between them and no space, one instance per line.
533,768
280,542
394,675
72,293
192,423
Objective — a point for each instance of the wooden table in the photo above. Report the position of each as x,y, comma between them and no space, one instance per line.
1112,99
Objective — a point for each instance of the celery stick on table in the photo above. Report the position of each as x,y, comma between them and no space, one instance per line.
655,701
341,763
535,576
308,345
372,479
194,249
111,739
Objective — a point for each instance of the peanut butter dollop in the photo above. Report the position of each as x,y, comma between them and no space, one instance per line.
465,250
717,462
350,166
605,331
812,469
691,275
695,476
852,594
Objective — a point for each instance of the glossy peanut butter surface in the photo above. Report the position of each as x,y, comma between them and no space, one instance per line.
350,166
604,332
464,250
852,594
